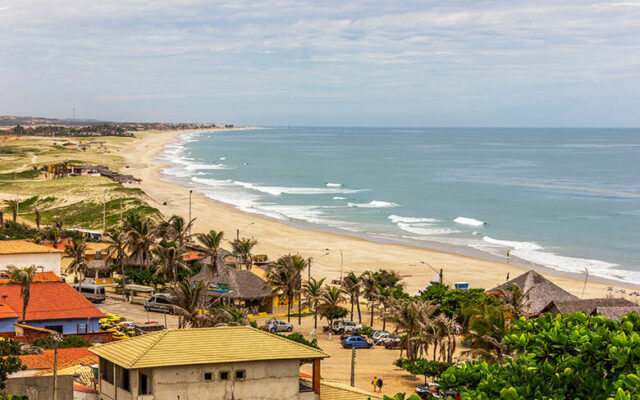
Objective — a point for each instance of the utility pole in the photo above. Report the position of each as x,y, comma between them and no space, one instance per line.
441,277
309,270
104,212
188,222
341,259
120,208
353,366
238,235
56,338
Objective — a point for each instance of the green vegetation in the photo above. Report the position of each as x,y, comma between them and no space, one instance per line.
562,357
10,347
27,174
453,300
66,343
424,367
15,231
299,338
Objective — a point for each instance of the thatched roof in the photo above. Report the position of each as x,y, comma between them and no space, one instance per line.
539,289
588,306
616,312
243,284
98,263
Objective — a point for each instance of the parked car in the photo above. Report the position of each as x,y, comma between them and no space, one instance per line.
341,327
278,326
346,335
161,302
379,336
356,342
93,293
392,342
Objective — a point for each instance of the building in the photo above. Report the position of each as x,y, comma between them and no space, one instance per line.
22,253
588,306
53,305
36,364
236,362
539,290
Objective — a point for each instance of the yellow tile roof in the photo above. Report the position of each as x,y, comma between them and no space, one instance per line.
340,391
203,346
23,246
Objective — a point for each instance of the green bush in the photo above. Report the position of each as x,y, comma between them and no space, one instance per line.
66,343
299,338
10,347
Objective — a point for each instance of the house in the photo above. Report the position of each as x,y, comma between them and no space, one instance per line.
8,317
41,364
53,305
616,312
588,306
539,290
23,253
237,362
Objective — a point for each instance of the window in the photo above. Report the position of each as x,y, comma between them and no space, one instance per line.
208,376
57,328
125,381
145,384
224,375
106,370
241,374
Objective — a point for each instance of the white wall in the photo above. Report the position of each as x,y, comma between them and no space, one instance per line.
50,261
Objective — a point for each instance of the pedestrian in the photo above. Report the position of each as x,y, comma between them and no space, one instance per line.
507,276
379,383
374,383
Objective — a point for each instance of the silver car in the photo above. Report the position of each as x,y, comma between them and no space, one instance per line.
161,302
274,325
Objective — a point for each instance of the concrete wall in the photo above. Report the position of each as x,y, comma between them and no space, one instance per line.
41,387
50,261
69,326
265,380
6,325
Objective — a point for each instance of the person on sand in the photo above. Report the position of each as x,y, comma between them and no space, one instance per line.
374,383
379,383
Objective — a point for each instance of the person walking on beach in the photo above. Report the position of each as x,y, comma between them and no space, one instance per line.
380,383
374,383
507,276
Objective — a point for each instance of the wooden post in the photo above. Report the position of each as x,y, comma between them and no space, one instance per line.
353,366
441,277
316,376
115,382
55,371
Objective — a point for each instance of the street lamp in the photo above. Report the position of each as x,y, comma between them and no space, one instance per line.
240,230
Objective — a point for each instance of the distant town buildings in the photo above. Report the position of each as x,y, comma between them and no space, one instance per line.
25,253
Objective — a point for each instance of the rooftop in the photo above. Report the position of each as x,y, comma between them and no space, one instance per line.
203,346
341,391
24,247
588,306
49,300
66,357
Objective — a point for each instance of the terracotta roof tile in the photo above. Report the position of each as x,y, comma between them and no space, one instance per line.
7,312
50,300
66,358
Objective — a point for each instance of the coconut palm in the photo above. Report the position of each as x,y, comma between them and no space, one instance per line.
298,264
283,278
188,302
36,210
412,319
514,301
330,302
444,330
76,251
169,260
313,292
13,205
485,326
370,290
50,234
117,251
351,286
179,230
24,277
141,237
219,314
243,248
211,242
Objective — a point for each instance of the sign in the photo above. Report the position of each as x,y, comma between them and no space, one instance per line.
217,287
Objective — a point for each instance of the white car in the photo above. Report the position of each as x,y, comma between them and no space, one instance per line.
278,326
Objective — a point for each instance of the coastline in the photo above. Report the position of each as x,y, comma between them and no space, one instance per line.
276,238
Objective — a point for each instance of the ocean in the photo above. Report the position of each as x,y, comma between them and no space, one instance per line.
567,199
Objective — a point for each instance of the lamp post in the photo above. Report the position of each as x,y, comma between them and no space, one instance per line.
104,212
240,230
190,193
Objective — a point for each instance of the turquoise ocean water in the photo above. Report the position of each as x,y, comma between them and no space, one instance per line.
568,199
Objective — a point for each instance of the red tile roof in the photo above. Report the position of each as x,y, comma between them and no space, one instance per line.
49,300
66,357
192,255
7,312
47,276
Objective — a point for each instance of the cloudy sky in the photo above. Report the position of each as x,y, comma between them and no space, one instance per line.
285,62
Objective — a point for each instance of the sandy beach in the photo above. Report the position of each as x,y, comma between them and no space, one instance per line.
417,265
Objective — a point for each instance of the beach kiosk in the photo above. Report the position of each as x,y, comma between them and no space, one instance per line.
461,285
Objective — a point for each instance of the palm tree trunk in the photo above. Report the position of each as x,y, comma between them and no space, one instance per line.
372,314
351,307
299,308
289,309
315,315
358,306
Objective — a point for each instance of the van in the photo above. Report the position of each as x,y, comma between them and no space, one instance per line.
93,293
161,302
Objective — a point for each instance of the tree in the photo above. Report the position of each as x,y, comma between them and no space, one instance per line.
76,250
188,302
313,292
243,248
211,242
283,277
351,286
514,301
402,396
50,234
117,251
371,290
179,230
141,236
13,205
36,210
10,347
412,319
484,326
24,277
330,303
424,367
558,357
169,260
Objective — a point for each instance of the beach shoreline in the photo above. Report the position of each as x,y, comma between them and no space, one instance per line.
416,262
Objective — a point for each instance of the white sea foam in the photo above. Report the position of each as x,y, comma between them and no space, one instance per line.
212,182
468,221
339,198
334,184
373,204
198,167
278,190
513,244
424,229
222,158
410,220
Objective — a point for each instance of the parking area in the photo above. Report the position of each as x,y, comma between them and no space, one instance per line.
137,313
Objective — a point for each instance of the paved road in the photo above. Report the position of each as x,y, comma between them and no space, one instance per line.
137,313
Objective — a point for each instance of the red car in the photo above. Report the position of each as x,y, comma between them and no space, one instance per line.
393,342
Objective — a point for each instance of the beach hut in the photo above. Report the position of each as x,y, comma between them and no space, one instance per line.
540,291
588,306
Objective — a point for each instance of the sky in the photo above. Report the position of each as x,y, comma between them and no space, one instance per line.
324,63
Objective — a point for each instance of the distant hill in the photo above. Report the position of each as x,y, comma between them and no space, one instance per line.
12,120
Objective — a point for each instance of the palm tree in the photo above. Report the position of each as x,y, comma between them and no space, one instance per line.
179,230
169,258
13,205
444,329
282,278
351,286
117,251
514,301
76,250
330,302
298,264
220,314
412,319
243,248
371,290
36,210
485,326
188,302
141,236
211,242
24,277
313,292
50,234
